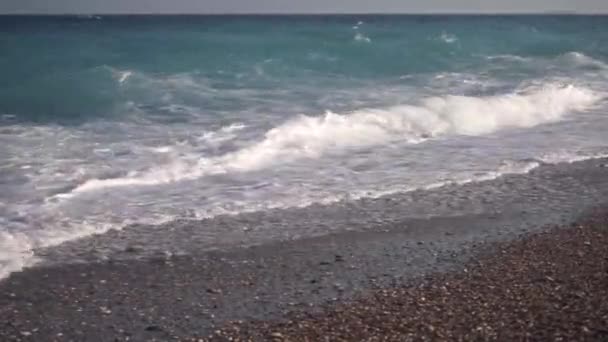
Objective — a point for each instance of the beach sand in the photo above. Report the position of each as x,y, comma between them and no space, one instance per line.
504,275
550,286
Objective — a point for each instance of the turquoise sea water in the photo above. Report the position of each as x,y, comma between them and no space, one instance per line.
106,121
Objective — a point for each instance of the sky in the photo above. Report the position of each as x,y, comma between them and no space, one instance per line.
299,6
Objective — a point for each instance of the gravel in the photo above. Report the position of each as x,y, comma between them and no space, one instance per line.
545,286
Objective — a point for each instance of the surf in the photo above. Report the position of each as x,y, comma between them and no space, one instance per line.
313,136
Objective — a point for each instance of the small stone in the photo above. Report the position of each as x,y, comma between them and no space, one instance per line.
276,335
587,243
105,310
153,328
131,249
26,333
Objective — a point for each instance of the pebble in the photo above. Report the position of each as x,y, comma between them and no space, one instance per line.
494,296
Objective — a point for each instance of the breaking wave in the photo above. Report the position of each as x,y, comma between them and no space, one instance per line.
312,137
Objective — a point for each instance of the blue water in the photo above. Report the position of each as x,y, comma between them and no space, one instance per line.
106,121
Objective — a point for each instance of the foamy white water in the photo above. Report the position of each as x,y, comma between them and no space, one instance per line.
173,154
311,137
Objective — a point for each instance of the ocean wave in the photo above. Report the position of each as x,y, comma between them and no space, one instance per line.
121,76
224,134
510,58
180,82
312,137
124,76
575,58
176,171
580,59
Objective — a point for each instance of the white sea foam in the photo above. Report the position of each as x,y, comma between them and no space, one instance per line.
360,37
448,38
17,250
124,75
224,134
312,137
571,58
357,25
583,60
162,149
121,76
569,157
15,253
508,167
510,58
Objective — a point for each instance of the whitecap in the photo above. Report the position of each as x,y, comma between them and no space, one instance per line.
359,37
313,136
448,38
580,59
509,58
569,157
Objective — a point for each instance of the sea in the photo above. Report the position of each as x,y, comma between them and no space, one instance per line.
112,121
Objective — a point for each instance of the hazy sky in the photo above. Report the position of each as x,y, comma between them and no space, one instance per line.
298,6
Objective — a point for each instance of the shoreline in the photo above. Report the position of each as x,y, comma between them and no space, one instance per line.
255,296
188,297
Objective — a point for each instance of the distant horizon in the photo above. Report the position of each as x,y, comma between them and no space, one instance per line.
555,12
310,7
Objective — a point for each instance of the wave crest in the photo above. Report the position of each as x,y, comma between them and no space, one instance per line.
580,59
312,137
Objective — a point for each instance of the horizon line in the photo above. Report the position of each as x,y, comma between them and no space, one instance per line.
555,12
